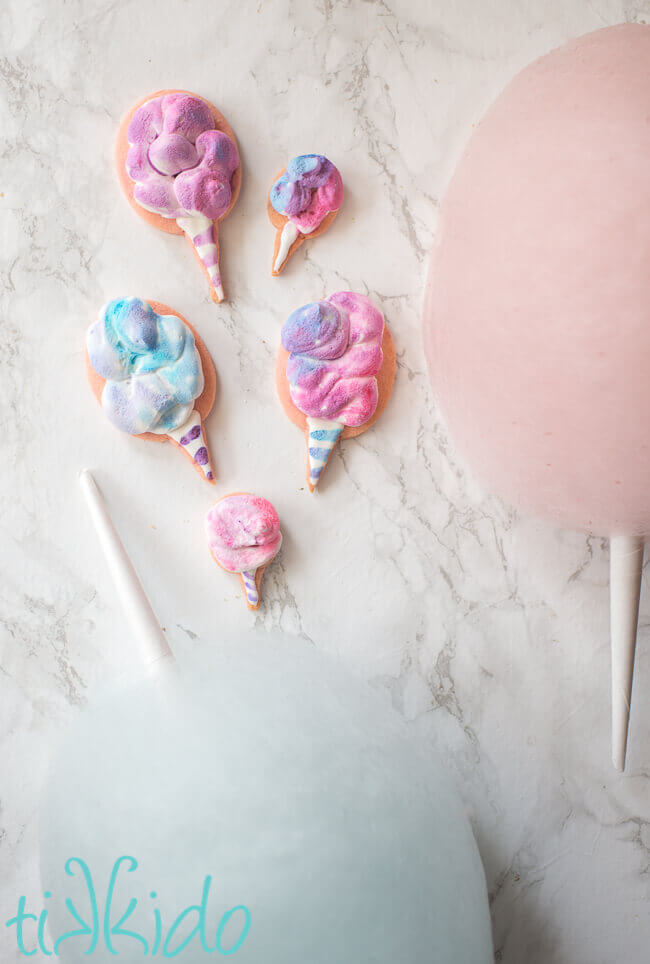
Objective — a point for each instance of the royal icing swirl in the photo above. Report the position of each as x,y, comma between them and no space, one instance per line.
150,364
309,190
243,532
335,354
182,167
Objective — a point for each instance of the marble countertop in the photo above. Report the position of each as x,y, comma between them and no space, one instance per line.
489,629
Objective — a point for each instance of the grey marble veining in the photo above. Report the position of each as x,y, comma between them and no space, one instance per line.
489,629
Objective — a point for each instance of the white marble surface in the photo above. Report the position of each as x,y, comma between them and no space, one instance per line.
489,629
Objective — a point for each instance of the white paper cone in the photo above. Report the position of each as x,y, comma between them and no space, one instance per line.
626,562
154,648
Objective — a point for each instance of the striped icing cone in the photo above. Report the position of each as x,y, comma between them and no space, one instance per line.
323,436
203,234
251,581
284,239
190,438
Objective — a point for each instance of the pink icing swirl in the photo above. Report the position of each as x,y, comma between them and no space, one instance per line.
326,199
182,166
243,532
335,348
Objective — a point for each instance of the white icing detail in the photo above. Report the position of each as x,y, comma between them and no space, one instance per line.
185,410
290,233
193,225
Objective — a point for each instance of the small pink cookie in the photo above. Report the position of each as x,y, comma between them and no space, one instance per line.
335,372
179,167
303,201
244,536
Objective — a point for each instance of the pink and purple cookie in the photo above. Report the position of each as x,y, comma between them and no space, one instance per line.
303,202
178,164
243,532
152,376
335,372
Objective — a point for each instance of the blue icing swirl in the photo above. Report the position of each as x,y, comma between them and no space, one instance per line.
150,363
291,193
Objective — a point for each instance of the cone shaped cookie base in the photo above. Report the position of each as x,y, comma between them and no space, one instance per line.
203,235
252,586
322,437
190,438
287,241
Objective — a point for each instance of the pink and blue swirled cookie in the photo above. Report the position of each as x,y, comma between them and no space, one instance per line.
303,202
335,372
152,376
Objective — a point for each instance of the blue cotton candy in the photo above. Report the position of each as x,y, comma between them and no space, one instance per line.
295,787
150,363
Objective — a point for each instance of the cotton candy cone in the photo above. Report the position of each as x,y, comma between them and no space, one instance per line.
203,235
287,239
191,439
252,586
321,441
626,563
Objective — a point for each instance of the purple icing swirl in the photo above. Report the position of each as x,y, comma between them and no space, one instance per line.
181,165
335,355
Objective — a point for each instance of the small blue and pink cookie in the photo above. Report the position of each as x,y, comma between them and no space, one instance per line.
152,376
303,202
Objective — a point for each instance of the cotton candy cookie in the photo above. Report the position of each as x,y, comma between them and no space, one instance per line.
335,372
179,167
303,202
243,532
153,376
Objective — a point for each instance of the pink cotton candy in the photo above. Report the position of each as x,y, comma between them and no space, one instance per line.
537,318
243,532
